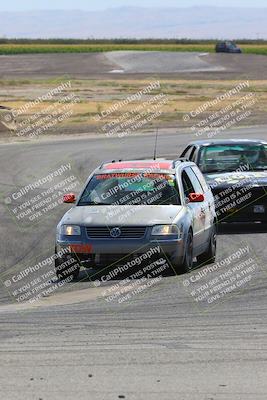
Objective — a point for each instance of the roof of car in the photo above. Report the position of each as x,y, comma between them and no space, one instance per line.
157,165
139,164
227,141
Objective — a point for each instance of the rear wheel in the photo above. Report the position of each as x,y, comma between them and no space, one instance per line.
209,256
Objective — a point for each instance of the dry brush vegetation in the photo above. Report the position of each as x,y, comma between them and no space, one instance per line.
96,96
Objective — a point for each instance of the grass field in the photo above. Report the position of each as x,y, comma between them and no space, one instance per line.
10,49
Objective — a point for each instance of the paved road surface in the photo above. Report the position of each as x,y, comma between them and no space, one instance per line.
134,63
161,345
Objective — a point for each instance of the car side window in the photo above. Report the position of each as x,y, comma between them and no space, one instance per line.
186,152
201,178
194,185
193,154
187,184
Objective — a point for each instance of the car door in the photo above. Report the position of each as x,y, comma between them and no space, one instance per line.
191,184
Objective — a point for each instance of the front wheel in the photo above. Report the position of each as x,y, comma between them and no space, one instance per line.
209,256
188,256
187,262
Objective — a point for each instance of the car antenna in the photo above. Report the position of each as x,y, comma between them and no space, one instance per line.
156,143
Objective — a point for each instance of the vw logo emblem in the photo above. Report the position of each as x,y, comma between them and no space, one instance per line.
115,232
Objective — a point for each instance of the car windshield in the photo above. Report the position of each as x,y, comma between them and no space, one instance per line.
131,189
232,45
230,157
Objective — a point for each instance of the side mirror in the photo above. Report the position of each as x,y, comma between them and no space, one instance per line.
69,198
196,197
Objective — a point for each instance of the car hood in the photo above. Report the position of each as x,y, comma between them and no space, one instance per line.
225,179
121,215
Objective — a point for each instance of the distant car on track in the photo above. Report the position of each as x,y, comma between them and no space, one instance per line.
227,47
236,171
127,207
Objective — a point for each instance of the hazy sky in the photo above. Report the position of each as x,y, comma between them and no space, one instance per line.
25,5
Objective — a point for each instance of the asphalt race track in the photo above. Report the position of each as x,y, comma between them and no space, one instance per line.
129,63
162,344
157,62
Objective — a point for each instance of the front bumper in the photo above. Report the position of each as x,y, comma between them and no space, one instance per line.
106,251
241,205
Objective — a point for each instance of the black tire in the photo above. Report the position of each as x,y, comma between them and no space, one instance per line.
188,254
209,256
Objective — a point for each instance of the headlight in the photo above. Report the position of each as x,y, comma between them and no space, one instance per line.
162,230
71,230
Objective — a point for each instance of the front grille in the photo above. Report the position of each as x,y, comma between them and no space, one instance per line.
127,232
